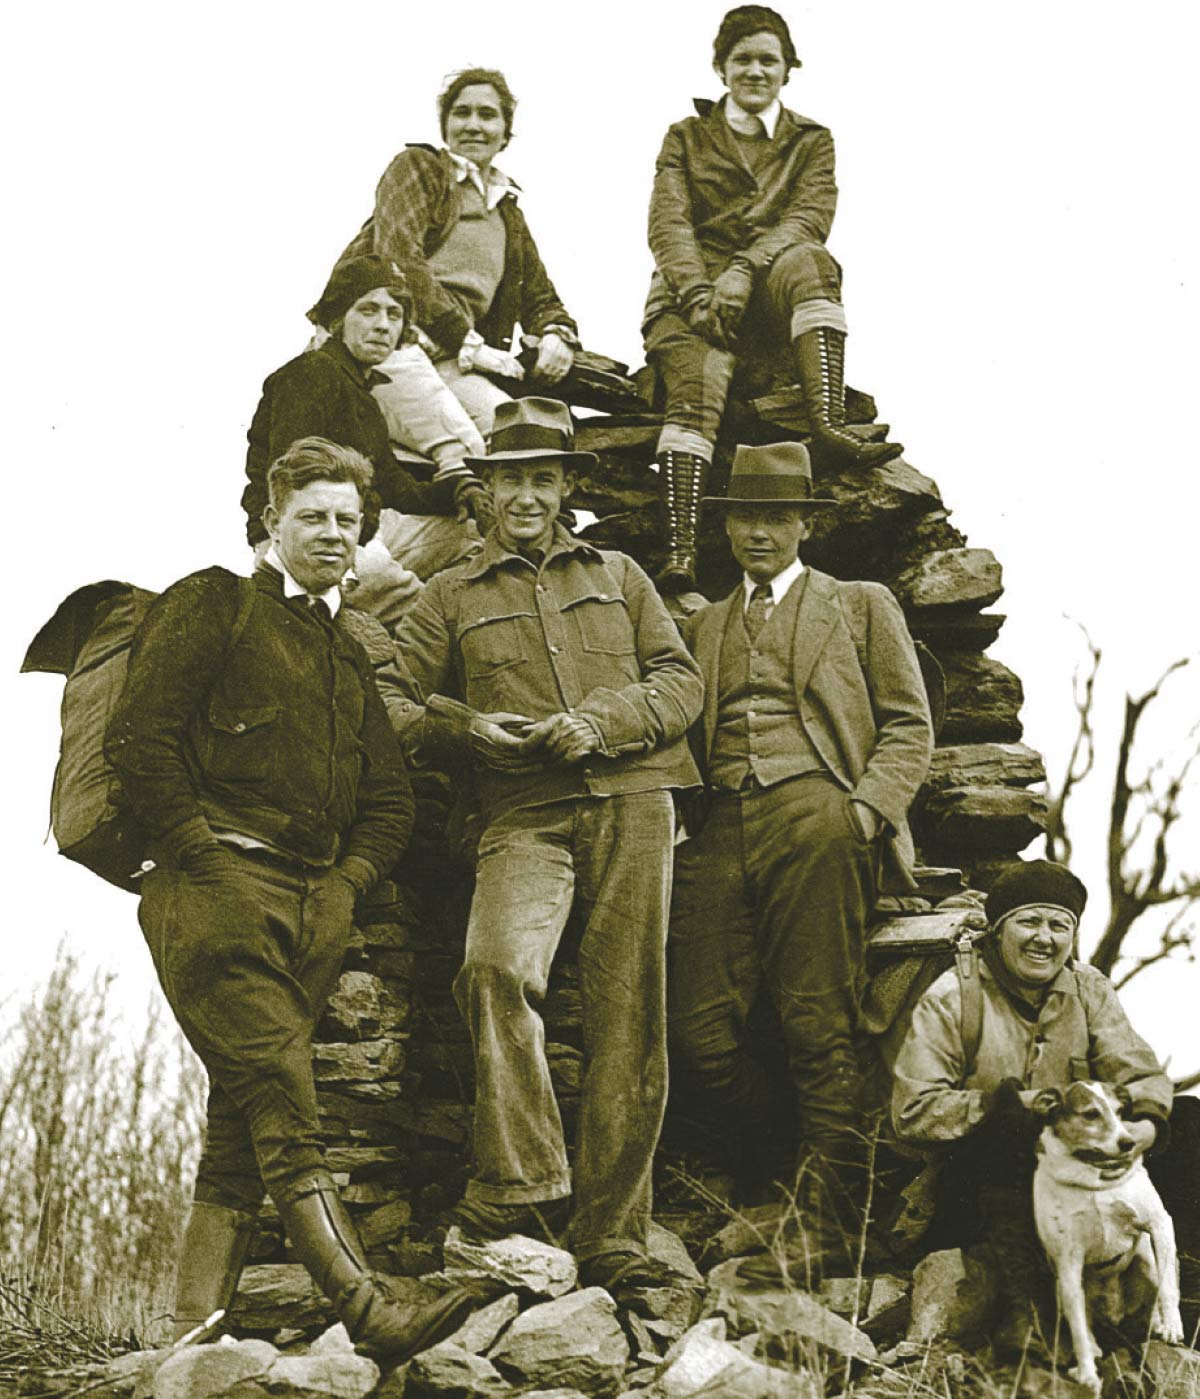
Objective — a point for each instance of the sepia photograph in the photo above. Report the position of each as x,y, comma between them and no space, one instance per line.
604,701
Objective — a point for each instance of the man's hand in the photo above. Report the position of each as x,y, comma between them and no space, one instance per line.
731,292
703,319
566,737
474,501
498,362
499,741
554,360
867,818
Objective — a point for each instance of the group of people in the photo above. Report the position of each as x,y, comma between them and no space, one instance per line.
266,751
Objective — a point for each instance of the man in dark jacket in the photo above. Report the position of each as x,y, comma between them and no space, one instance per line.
330,392
253,748
552,672
743,201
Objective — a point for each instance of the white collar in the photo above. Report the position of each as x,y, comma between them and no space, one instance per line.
332,597
769,116
779,584
498,183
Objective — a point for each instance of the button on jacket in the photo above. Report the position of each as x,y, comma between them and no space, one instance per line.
587,633
281,738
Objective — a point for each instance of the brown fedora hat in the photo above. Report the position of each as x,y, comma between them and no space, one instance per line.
778,474
525,429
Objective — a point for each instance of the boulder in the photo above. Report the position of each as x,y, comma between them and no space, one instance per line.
985,765
783,1316
272,1295
382,1225
333,1375
669,1249
335,1341
703,1362
951,1299
985,819
521,1263
362,1007
983,700
951,578
446,1371
198,1372
361,1063
574,1340
845,1296
481,1328
1174,1369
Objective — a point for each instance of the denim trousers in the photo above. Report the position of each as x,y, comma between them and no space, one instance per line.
773,896
613,855
696,375
247,963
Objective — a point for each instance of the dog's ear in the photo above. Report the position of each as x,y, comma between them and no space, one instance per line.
1048,1104
1124,1098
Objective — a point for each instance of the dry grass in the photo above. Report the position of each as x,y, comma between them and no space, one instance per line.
100,1132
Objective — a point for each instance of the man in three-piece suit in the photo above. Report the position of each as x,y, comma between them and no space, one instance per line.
814,739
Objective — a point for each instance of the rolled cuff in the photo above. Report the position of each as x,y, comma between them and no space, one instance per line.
673,438
818,315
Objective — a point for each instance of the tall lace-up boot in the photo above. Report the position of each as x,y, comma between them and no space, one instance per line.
820,362
681,477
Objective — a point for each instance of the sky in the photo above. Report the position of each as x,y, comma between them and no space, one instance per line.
1020,239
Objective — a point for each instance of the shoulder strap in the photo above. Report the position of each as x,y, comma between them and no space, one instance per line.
246,595
966,964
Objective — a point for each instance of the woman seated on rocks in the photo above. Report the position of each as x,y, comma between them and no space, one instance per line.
452,214
1048,1020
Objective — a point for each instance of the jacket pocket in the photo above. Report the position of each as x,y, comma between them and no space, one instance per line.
604,623
493,643
241,740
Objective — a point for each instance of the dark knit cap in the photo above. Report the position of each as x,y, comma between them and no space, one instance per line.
355,278
1035,882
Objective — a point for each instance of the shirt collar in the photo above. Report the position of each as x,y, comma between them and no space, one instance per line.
494,553
769,116
498,184
332,597
779,584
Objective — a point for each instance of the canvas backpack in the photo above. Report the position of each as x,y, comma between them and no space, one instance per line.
88,640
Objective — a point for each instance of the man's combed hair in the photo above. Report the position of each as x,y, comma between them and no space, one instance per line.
311,459
745,20
467,78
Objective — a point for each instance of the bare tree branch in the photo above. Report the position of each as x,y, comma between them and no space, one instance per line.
1171,939
1083,755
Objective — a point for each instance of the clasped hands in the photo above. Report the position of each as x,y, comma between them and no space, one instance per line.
717,314
554,360
511,742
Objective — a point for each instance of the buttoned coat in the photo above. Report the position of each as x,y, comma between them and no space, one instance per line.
707,204
859,696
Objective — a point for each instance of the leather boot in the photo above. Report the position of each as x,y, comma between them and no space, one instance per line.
820,362
214,1249
325,1242
681,477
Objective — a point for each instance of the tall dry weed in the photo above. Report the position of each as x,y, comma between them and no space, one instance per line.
99,1135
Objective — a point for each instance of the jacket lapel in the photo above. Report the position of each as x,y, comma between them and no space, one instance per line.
814,620
710,637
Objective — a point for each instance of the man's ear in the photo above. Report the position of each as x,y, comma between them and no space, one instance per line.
570,481
805,528
270,519
1047,1105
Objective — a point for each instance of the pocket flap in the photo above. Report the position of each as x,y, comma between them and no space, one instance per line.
240,719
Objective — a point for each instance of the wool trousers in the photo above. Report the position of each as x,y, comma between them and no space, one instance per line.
696,375
611,855
247,963
772,896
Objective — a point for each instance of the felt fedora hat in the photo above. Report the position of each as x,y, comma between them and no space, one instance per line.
778,474
526,429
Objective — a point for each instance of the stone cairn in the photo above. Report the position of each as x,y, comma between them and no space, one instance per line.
393,1059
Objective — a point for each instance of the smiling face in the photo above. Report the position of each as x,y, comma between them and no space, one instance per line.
315,531
1036,941
475,125
527,496
754,71
372,327
765,539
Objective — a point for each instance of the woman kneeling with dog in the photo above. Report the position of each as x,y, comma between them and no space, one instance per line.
1048,1020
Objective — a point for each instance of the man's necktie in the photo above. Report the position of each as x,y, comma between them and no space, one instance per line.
756,612
320,610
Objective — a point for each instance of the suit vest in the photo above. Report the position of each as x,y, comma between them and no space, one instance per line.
758,730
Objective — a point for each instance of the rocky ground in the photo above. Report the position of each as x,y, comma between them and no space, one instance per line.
886,1335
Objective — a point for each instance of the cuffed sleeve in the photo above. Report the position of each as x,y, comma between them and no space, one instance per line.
671,232
929,1102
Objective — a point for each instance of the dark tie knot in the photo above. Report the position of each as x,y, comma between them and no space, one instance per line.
320,609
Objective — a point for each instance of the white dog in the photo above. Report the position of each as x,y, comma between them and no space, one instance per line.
1105,1230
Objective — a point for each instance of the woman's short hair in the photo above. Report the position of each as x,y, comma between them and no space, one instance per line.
467,77
745,20
311,459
